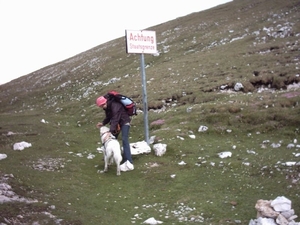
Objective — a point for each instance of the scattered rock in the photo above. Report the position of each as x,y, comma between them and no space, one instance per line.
159,149
238,86
192,136
202,128
233,203
274,212
152,221
264,209
281,204
158,122
140,147
21,145
3,156
224,154
182,163
189,109
8,195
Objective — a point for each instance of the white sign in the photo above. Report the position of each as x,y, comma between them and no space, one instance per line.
141,41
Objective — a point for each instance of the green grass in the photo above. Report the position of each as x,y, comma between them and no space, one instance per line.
206,185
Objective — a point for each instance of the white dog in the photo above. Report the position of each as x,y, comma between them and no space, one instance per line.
112,149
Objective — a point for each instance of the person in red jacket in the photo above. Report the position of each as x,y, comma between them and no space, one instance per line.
119,120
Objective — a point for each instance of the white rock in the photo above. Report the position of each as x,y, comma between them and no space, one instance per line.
140,147
274,145
91,156
152,221
290,146
202,128
251,152
252,222
152,139
189,109
182,163
44,121
159,149
224,154
192,136
290,163
100,149
289,213
265,221
223,86
10,133
238,86
281,220
21,145
296,154
3,156
293,218
281,203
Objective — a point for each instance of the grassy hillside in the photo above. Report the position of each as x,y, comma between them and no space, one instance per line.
202,56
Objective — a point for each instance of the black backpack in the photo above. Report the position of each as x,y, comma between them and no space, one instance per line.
127,102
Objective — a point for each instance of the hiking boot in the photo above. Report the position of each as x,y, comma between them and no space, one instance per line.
126,166
129,165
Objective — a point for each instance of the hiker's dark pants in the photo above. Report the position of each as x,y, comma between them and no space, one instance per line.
125,143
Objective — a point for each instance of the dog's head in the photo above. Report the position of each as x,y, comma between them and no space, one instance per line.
104,130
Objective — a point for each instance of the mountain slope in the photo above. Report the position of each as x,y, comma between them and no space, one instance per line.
191,84
198,52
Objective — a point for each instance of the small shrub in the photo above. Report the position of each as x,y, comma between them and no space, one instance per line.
278,82
154,127
234,109
155,105
248,87
188,99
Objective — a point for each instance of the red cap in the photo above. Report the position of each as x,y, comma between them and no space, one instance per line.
101,101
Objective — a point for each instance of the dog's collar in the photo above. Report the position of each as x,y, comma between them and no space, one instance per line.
107,139
105,133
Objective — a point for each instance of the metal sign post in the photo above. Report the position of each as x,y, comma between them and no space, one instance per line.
142,42
145,104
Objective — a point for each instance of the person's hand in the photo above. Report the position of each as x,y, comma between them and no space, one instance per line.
99,125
